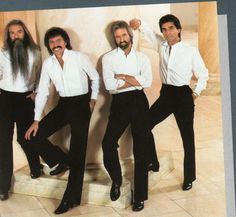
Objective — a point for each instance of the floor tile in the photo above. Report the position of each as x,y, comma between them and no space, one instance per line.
204,206
36,213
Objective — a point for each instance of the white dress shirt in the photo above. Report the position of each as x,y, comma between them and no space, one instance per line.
178,65
7,82
135,64
71,80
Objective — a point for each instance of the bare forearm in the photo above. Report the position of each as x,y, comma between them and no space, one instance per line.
132,81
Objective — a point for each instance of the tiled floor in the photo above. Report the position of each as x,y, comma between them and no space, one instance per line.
166,199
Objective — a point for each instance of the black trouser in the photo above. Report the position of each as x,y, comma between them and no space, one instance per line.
129,108
15,108
74,111
178,101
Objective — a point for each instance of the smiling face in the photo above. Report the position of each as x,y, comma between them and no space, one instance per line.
170,33
57,45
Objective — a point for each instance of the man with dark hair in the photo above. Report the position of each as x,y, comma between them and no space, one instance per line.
178,62
126,72
69,71
20,66
55,31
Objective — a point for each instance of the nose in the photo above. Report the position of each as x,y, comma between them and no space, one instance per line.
15,36
167,31
122,39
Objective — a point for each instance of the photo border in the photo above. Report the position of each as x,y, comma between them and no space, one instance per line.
227,42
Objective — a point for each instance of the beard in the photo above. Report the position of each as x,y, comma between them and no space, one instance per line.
124,44
19,59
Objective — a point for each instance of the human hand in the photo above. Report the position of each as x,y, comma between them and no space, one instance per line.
135,23
120,76
32,129
194,95
32,96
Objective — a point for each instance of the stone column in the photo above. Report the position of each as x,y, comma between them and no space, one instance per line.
209,45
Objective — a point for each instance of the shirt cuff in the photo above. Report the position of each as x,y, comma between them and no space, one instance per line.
120,83
36,89
143,26
140,80
37,117
94,95
198,92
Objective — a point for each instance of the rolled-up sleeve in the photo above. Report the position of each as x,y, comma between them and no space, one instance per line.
111,83
200,71
145,74
150,36
92,74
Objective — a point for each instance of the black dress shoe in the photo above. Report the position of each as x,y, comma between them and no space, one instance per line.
187,186
138,206
64,207
59,169
154,167
3,196
115,191
37,174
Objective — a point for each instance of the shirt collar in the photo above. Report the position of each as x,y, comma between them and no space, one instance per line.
120,51
164,43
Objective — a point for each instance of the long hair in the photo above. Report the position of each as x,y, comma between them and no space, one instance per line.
28,43
53,32
120,24
27,38
170,18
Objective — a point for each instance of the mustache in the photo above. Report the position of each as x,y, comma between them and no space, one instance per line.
123,45
17,43
56,47
17,40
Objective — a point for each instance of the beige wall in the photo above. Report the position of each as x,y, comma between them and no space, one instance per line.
187,14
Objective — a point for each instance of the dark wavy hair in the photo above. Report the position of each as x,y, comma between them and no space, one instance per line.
53,32
120,24
170,18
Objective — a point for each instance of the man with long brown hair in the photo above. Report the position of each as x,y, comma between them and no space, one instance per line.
20,65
